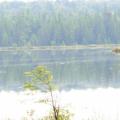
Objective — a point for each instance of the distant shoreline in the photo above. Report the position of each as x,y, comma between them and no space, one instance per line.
60,48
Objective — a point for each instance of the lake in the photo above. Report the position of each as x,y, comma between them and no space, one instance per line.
88,79
72,69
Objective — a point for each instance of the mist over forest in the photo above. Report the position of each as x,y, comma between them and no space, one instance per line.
61,22
59,59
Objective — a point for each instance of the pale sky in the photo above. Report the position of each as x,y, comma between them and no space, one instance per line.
54,0
23,0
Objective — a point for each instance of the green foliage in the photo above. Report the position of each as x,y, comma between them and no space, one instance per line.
41,76
30,86
62,115
45,23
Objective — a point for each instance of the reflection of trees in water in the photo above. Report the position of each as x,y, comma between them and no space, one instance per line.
84,68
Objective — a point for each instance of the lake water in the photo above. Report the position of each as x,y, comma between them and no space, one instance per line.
89,80
72,69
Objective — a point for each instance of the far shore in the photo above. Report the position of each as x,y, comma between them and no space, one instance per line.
60,48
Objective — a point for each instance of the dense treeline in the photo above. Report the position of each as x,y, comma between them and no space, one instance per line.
59,23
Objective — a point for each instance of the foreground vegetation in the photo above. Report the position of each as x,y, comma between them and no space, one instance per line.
42,79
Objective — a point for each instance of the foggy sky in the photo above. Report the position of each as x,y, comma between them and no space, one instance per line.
60,0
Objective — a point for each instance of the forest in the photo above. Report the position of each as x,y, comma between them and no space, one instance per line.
59,23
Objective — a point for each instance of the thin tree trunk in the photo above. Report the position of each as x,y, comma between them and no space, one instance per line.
53,104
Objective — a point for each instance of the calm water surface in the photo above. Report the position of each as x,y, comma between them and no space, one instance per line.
76,72
72,69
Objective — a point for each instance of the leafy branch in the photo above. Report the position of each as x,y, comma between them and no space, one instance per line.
41,78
